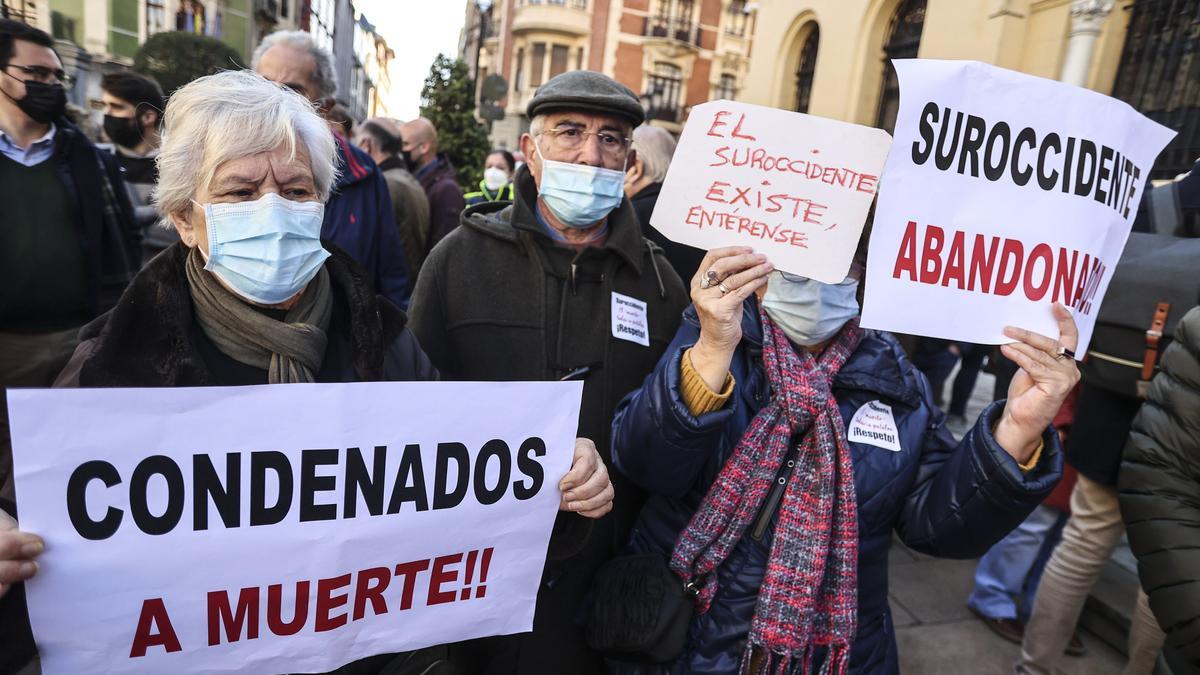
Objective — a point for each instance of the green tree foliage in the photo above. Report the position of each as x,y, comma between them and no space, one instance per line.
448,100
175,58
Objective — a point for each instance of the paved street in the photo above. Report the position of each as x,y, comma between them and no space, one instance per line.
937,634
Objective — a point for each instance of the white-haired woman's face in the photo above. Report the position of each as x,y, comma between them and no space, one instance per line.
247,179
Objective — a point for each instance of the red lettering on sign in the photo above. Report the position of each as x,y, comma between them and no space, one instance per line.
154,613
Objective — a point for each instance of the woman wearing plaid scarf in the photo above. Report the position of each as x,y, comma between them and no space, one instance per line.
783,445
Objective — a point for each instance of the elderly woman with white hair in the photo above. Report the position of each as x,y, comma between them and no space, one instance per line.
251,294
654,147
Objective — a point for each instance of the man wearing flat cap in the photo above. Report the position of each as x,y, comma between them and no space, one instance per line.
560,284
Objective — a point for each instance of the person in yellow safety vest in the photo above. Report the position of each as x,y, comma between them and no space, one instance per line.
496,185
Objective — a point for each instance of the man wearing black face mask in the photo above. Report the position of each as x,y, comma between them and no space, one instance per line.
133,106
68,246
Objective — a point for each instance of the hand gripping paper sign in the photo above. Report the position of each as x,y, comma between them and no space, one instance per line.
1003,194
284,528
792,186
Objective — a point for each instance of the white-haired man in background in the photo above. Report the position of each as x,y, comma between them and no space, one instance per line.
654,147
358,217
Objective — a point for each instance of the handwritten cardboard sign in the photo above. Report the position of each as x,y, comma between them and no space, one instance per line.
284,528
1004,193
792,186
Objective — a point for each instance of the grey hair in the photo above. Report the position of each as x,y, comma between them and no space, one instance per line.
537,124
655,146
233,114
323,72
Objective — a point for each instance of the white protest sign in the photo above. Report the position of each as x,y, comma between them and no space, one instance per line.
284,528
1004,193
792,186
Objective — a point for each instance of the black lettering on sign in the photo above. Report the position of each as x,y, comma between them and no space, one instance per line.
361,482
498,449
207,486
443,497
260,463
410,468
85,473
311,484
1075,166
526,464
139,506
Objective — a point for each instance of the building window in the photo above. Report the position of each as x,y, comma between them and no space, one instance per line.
673,20
284,8
62,27
519,67
321,13
806,68
536,64
24,11
156,17
664,88
558,59
904,40
579,59
1159,76
737,15
726,88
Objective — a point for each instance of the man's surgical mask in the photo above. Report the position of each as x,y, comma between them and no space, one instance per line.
495,178
579,195
124,131
266,250
808,311
43,103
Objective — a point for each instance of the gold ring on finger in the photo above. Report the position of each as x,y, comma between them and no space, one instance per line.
724,289
1064,353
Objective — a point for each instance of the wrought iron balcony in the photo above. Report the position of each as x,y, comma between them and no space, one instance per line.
672,28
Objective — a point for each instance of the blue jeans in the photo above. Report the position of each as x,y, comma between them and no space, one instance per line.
1007,577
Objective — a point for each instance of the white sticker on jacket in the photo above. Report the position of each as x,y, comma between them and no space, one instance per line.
874,424
629,319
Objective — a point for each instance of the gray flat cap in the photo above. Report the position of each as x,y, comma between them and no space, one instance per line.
586,90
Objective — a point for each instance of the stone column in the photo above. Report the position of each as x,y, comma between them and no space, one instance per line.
1087,17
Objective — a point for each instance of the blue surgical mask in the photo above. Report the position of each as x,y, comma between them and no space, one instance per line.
808,311
579,195
266,250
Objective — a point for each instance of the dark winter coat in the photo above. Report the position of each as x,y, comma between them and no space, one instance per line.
360,221
942,498
1097,439
683,258
108,232
1160,492
446,204
151,338
499,300
16,640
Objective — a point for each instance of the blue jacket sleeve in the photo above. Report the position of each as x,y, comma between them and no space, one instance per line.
968,495
656,442
391,265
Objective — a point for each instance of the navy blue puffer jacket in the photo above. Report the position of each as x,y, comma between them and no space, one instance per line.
943,498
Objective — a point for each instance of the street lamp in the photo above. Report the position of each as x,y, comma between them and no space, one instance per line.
481,7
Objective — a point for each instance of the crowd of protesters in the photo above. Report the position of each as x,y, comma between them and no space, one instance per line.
712,453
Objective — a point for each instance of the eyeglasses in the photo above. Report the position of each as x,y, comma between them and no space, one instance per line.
573,138
855,273
43,74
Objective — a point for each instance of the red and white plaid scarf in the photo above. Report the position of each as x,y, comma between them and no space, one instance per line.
809,595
